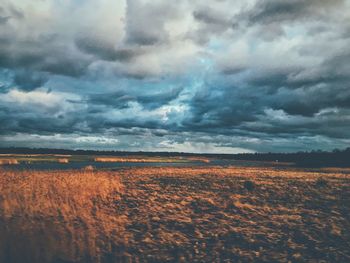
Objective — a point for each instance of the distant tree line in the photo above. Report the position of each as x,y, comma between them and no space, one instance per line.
20,150
338,158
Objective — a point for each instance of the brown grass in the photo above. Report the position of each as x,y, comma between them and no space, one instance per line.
129,159
164,214
137,159
8,161
64,214
63,160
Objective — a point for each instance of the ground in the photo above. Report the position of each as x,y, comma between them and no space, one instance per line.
174,214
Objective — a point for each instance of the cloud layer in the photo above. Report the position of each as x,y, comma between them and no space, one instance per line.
203,76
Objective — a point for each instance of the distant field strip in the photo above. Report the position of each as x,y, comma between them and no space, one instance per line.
148,159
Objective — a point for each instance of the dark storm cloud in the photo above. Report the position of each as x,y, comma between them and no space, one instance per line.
63,62
23,120
210,23
269,17
4,19
27,80
145,24
310,101
222,108
159,99
307,91
41,54
121,99
239,115
118,99
261,76
36,51
334,69
274,11
316,99
333,123
234,107
209,17
104,50
44,125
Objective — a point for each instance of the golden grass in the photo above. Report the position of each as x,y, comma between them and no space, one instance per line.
137,159
131,160
8,161
63,160
62,213
119,159
175,214
206,214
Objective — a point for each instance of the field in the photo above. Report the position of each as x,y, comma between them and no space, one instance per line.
59,158
175,214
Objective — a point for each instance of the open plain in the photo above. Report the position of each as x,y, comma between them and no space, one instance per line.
175,214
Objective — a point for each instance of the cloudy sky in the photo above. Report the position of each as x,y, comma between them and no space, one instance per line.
188,75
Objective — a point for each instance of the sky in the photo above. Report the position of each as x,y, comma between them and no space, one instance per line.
215,76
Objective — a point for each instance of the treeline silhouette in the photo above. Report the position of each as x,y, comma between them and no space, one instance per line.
19,150
337,158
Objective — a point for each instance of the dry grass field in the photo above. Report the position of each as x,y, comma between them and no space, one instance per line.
199,214
133,160
49,216
138,159
8,161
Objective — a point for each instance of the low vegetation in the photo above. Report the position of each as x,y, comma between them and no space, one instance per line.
48,216
132,160
178,214
30,158
63,160
145,159
8,161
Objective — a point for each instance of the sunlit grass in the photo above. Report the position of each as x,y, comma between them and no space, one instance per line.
175,214
137,159
61,158
62,213
8,161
